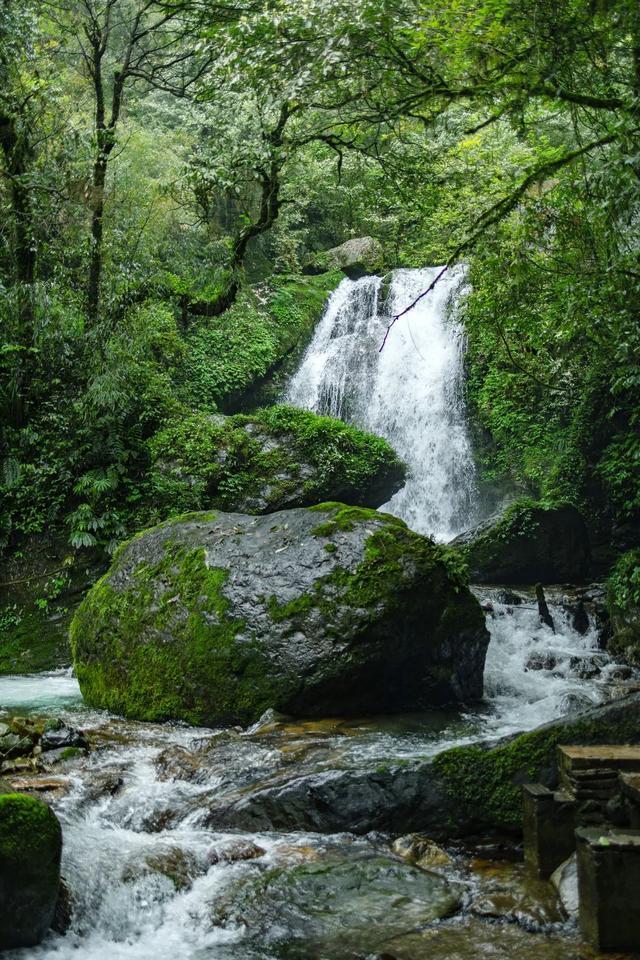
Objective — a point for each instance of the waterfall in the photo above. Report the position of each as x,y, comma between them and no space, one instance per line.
411,393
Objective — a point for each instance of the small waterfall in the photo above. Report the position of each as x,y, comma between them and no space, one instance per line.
411,392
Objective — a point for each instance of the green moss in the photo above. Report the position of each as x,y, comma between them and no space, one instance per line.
390,550
346,518
228,356
27,825
192,670
489,781
623,601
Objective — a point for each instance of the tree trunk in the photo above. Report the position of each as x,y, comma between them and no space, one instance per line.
18,154
97,236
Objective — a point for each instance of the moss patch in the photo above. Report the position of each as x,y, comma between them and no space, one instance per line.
487,783
623,600
192,669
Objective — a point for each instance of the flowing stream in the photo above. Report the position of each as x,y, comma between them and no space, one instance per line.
411,392
152,871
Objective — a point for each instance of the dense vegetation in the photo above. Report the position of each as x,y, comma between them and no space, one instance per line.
169,167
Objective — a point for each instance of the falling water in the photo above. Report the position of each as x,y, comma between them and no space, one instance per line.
411,392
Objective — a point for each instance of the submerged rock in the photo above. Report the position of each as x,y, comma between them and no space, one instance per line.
334,610
358,902
270,460
528,543
30,849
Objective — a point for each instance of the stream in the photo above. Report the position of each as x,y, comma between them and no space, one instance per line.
154,874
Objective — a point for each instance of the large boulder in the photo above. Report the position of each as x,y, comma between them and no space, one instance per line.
215,618
270,460
356,257
461,792
528,543
30,848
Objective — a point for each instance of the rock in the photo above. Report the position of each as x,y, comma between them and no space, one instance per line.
580,618
421,851
335,610
236,851
509,893
64,909
356,257
565,880
30,848
63,737
540,661
528,543
464,791
359,903
270,460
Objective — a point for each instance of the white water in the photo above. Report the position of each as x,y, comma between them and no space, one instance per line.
411,392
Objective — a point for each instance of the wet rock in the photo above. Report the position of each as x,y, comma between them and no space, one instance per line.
178,865
103,784
236,851
580,618
510,598
420,851
64,909
509,893
565,881
529,543
541,661
62,737
30,848
332,610
586,668
462,792
358,903
178,763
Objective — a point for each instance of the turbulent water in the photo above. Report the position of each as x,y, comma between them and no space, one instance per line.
151,878
410,392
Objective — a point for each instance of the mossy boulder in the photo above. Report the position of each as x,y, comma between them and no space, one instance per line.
270,460
30,849
356,257
214,618
529,543
623,603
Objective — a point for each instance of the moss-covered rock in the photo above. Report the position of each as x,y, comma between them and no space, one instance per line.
212,618
486,782
30,848
356,257
270,460
528,543
623,602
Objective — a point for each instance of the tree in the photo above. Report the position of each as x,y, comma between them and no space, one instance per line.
120,43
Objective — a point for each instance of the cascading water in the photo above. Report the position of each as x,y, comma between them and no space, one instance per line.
411,392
